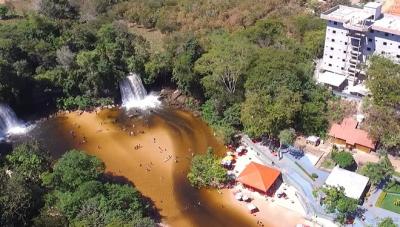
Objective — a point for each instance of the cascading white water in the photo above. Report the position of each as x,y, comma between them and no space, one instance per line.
9,123
134,95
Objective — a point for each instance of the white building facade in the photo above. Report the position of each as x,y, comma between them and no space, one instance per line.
352,36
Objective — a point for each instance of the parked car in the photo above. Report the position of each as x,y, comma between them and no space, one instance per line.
296,153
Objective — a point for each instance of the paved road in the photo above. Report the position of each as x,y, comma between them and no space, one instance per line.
294,175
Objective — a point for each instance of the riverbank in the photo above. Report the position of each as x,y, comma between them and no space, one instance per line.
154,152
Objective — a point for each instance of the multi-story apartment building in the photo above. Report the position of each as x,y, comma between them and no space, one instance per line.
352,36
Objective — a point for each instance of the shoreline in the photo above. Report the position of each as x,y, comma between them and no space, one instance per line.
158,169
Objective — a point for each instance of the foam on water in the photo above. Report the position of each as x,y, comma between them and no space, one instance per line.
134,95
9,123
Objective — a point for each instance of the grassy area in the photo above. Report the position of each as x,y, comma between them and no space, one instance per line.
328,163
397,174
393,188
388,202
153,36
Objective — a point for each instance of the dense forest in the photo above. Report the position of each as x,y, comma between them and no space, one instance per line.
75,191
73,54
249,63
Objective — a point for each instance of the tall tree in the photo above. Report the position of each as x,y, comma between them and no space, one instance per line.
183,73
382,111
377,172
384,82
287,136
224,66
270,114
335,201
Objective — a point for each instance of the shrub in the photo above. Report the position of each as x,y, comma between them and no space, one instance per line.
314,175
3,11
81,102
343,159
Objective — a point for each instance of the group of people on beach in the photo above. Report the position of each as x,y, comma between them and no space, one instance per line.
260,223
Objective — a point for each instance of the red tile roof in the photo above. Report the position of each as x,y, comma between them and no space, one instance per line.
349,132
258,176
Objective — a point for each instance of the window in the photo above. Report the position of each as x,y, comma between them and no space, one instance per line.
369,40
386,34
372,31
398,56
335,23
384,43
383,52
342,68
332,48
330,56
333,40
329,64
343,60
369,48
333,31
344,52
345,43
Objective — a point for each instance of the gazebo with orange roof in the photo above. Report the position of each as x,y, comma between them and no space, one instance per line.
260,178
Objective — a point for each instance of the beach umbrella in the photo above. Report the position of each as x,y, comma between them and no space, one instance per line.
239,149
251,207
238,196
227,158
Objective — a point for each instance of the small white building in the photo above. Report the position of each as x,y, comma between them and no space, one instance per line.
354,184
352,36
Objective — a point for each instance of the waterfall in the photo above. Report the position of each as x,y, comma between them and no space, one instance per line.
134,95
9,123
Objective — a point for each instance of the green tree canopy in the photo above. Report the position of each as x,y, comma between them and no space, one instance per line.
20,184
343,159
376,172
269,114
287,136
224,66
386,222
73,169
206,171
28,160
335,201
79,194
384,81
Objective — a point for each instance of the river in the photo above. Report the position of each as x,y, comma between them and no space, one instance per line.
151,151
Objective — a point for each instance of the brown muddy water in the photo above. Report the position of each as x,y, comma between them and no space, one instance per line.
167,140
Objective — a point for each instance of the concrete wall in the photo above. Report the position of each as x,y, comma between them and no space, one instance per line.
383,43
335,56
335,47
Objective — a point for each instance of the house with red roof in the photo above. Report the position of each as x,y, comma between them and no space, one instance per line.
346,134
260,178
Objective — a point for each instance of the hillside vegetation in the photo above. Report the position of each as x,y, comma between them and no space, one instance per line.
201,16
231,55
